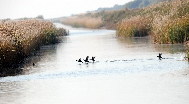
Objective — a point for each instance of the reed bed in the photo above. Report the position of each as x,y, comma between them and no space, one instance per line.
167,22
134,27
18,38
83,21
174,27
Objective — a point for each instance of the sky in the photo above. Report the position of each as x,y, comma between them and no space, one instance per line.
51,8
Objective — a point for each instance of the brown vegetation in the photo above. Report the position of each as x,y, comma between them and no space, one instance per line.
18,38
134,27
168,22
83,21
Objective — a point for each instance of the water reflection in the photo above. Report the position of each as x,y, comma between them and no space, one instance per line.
11,91
108,49
27,64
170,48
135,40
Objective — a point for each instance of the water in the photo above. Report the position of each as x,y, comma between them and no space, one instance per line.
126,71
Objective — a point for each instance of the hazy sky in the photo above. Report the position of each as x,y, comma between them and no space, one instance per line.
51,8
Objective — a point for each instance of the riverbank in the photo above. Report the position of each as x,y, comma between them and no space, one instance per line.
167,22
19,38
83,21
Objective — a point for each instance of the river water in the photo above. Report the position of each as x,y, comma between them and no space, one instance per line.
126,71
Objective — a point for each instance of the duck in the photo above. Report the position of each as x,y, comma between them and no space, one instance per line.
160,56
79,60
86,60
93,59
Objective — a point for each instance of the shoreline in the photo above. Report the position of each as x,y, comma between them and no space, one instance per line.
19,38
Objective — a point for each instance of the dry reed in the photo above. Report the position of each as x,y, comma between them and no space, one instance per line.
83,21
18,38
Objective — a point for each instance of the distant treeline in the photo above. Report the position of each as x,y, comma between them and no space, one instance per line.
132,5
18,38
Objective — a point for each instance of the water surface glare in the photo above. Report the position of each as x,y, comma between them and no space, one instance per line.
127,71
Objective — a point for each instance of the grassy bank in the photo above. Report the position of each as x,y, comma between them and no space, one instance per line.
109,16
83,21
18,38
137,26
102,19
167,22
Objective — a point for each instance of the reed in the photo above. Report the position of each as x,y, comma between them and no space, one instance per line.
173,27
18,38
173,31
167,22
83,21
134,27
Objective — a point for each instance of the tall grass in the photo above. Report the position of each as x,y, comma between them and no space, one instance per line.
18,38
111,18
83,21
137,26
173,27
173,31
168,22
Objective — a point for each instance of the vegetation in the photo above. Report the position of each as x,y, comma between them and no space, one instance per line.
83,21
167,22
142,3
103,19
137,26
18,38
132,5
108,17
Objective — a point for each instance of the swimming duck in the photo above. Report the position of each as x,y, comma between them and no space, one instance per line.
93,59
87,59
79,60
159,56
